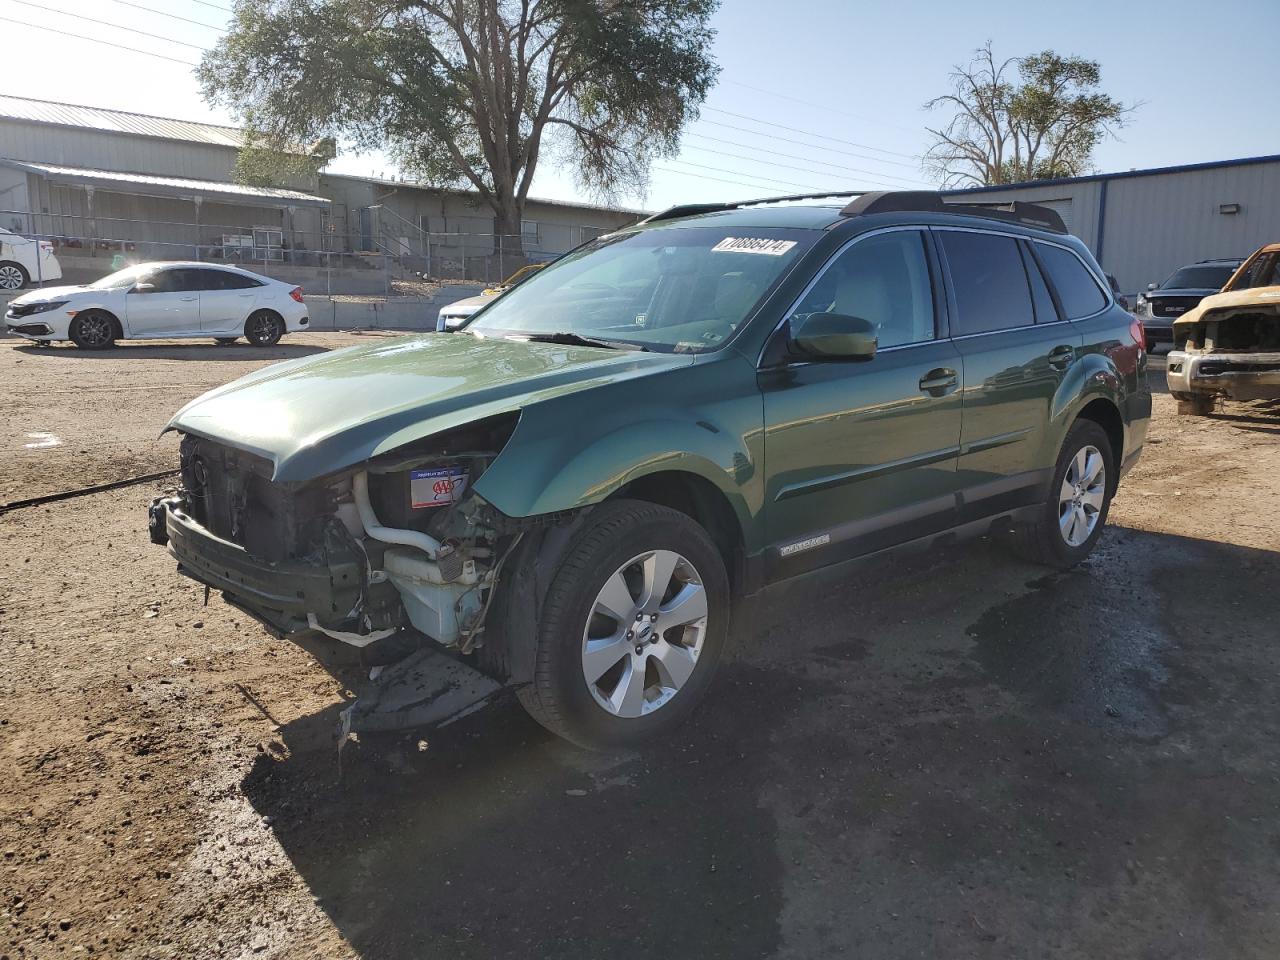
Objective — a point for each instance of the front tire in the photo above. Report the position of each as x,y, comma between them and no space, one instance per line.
633,626
93,330
1071,519
225,341
13,276
264,328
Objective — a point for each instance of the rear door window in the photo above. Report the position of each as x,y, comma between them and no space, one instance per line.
1078,290
988,280
233,281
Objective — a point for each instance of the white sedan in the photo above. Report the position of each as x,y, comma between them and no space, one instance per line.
155,300
24,261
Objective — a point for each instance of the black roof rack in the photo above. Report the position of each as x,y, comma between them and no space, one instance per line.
927,201
891,201
693,209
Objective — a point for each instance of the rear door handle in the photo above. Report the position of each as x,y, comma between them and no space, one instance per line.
1061,355
939,382
188,299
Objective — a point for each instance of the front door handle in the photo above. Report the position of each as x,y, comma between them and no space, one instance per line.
188,299
939,382
1061,356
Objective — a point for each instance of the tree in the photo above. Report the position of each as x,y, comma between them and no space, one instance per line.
471,92
1044,124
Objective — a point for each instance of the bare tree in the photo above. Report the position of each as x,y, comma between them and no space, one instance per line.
1025,118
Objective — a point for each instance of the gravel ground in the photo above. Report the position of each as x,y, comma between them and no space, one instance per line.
955,756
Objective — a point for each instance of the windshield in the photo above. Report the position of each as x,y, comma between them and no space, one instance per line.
674,289
121,278
1199,277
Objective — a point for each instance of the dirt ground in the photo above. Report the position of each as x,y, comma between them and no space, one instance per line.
952,756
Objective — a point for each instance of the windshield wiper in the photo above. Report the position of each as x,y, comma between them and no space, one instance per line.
578,340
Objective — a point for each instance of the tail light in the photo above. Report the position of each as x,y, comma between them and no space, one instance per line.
46,247
296,293
1139,334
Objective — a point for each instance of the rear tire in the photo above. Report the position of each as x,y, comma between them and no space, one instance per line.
13,276
264,328
225,341
1072,517
640,602
93,330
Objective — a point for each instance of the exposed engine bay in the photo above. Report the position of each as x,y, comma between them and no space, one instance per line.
398,541
1231,351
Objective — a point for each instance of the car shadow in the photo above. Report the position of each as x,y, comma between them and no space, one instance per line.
875,738
172,351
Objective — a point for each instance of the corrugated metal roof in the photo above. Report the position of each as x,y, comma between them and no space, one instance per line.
165,186
117,121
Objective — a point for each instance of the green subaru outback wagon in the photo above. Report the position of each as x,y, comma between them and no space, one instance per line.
569,493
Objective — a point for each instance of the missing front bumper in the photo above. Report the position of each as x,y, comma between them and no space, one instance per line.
278,594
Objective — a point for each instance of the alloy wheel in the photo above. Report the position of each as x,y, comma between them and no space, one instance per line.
644,633
1081,496
262,328
94,330
10,277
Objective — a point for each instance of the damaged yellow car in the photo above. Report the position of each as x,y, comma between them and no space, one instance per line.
1229,345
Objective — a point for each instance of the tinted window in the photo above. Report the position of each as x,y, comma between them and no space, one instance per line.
1199,277
990,284
179,280
226,280
1078,291
883,279
1046,312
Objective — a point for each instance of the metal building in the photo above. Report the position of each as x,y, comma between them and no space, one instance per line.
1144,224
109,186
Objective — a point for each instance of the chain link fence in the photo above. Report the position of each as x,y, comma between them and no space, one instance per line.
385,254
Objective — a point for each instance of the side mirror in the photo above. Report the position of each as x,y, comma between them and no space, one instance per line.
1151,286
144,287
833,336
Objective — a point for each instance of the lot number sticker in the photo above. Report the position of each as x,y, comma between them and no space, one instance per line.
763,245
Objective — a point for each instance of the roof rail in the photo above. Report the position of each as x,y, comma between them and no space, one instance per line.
928,201
693,209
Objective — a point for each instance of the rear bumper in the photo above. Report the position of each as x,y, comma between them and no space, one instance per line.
1239,376
281,594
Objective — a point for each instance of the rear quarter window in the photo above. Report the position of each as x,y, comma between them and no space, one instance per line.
1078,291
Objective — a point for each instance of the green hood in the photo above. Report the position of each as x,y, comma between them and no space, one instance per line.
319,414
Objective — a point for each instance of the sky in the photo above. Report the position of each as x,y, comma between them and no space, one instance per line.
812,95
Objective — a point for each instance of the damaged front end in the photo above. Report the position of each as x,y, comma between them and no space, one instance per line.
399,541
1229,351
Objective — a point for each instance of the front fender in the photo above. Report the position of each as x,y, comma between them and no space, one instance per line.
541,472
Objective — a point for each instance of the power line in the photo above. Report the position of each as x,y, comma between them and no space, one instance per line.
206,3
172,16
104,23
787,166
819,106
749,176
703,176
810,133
792,156
811,146
107,43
